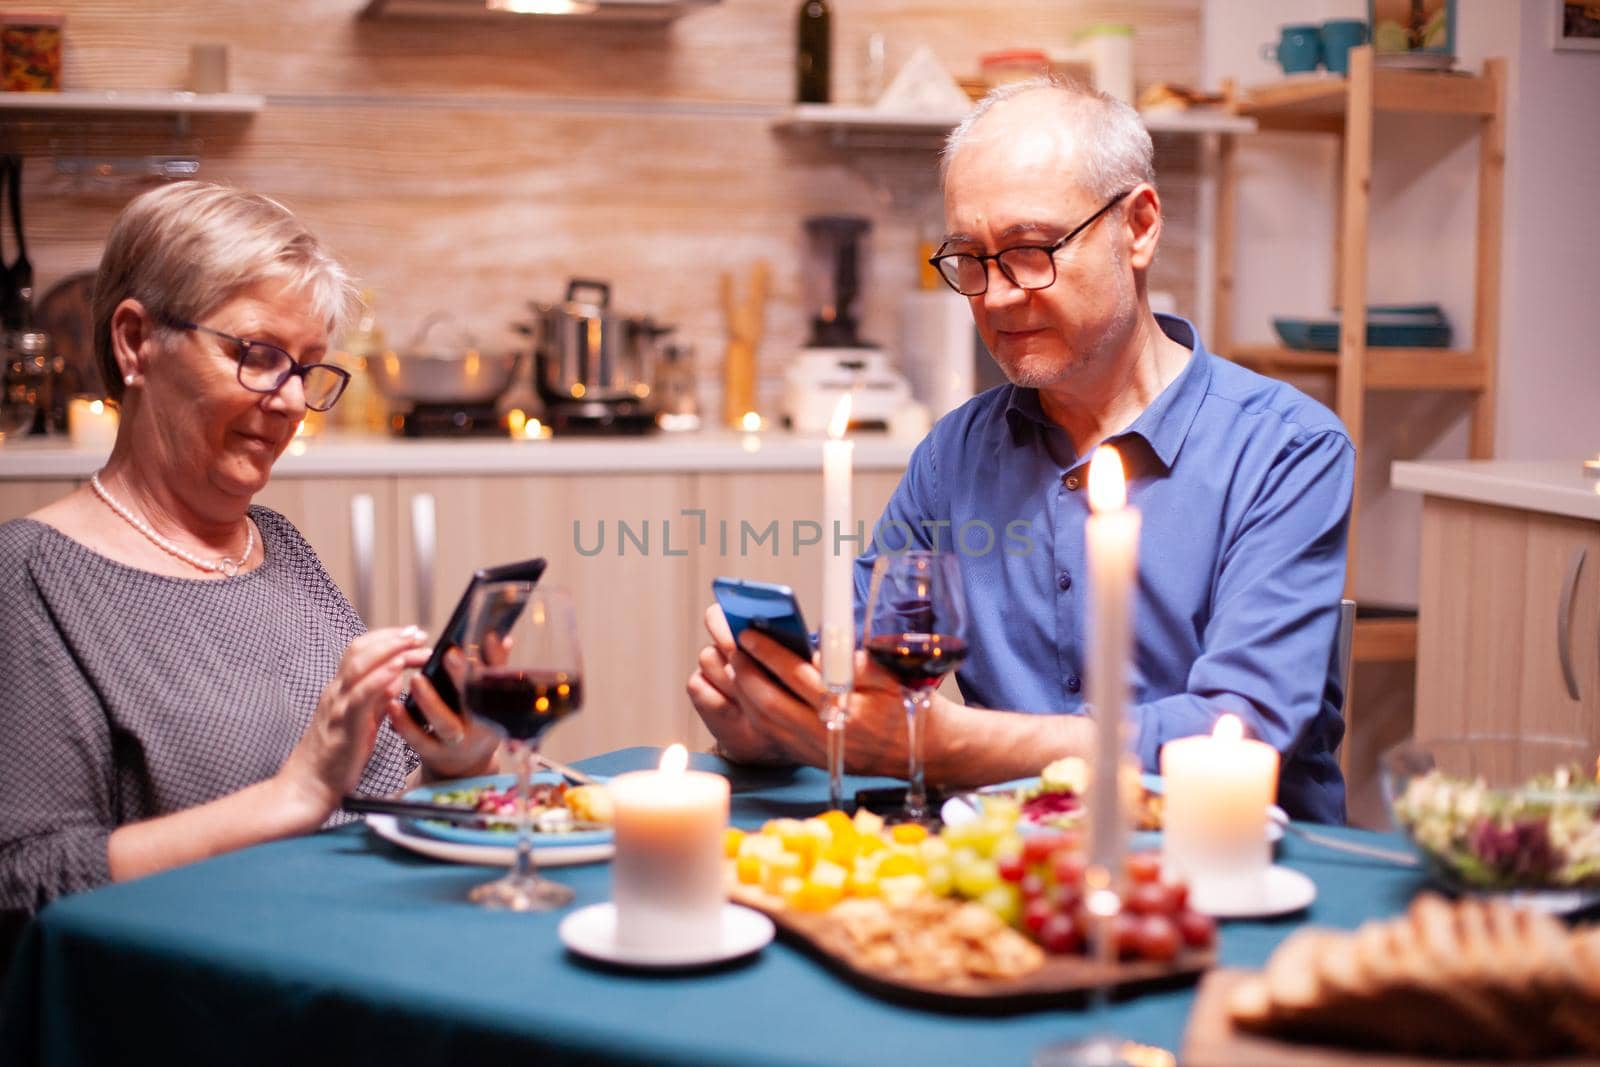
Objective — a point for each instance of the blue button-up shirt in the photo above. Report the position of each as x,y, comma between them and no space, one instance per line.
1244,484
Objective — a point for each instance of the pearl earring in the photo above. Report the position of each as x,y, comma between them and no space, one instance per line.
129,379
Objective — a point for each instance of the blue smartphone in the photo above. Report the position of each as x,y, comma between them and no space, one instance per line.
766,607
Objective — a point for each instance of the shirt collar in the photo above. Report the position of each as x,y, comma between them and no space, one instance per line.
1164,424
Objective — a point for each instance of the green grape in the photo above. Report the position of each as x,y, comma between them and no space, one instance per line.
977,878
1005,902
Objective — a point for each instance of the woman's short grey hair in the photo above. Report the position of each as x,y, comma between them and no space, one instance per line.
1114,152
185,249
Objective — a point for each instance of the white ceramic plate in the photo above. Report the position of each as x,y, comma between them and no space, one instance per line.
388,828
592,932
963,807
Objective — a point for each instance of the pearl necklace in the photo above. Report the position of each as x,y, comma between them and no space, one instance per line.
223,564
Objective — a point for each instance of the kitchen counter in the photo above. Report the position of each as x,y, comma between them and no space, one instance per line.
334,455
1553,487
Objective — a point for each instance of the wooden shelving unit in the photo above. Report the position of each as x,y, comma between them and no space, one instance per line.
1345,108
851,127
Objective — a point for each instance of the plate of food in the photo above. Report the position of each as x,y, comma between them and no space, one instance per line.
1055,800
563,816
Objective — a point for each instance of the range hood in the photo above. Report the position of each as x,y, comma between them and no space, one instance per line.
635,11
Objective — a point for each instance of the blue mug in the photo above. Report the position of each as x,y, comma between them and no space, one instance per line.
1298,50
1338,37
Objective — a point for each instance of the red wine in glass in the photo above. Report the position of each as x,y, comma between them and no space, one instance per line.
524,703
917,661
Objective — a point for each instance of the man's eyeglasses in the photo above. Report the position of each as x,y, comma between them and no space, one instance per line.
1025,266
264,368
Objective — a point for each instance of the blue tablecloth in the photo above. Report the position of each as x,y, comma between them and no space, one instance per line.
341,947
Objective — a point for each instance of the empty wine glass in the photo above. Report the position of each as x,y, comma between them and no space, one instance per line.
917,631
524,674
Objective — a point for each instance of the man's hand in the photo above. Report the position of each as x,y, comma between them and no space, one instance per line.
716,697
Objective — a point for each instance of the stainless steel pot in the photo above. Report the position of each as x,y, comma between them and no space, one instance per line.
589,352
435,370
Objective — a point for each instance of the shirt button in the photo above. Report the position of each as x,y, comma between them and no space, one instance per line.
1070,481
1064,581
1074,683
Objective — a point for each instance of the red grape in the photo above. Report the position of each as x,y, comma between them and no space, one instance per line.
1125,933
1036,913
1036,848
1032,885
1157,938
1147,898
1059,934
1178,894
1068,868
1198,931
1011,867
1144,867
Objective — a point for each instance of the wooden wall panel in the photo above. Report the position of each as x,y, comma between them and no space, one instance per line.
471,167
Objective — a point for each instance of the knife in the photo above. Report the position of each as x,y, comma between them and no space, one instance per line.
416,809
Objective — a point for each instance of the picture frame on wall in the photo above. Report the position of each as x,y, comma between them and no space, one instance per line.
1576,25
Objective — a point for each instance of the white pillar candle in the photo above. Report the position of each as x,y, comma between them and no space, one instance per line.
1112,536
667,877
1215,813
838,583
91,424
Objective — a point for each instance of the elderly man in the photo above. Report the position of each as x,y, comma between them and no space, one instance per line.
1244,484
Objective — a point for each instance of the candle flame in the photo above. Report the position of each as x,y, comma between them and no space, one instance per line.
516,419
1108,489
675,760
751,422
533,429
1228,728
841,418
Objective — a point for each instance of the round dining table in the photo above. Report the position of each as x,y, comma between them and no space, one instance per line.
344,948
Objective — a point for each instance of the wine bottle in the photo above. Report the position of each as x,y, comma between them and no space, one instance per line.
812,56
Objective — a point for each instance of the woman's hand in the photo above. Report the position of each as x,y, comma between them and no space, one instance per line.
328,759
460,746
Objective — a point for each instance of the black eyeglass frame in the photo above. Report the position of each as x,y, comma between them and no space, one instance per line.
1050,250
293,369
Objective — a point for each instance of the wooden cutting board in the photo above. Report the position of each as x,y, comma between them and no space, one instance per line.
1062,981
1212,1041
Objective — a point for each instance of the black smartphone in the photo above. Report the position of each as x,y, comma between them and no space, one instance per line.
765,607
528,570
892,800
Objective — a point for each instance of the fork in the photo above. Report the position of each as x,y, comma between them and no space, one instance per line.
1388,855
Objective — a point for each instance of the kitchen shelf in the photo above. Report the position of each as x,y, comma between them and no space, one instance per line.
1319,101
636,12
141,101
1385,369
853,126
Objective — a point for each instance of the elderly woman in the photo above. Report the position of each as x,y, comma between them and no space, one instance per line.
181,677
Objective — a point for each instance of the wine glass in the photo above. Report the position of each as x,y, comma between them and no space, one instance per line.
523,675
917,631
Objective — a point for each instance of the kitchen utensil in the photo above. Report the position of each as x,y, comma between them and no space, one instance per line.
1298,51
744,322
10,314
1388,326
590,352
1338,37
65,312
417,809
571,774
1279,818
21,269
441,365
677,399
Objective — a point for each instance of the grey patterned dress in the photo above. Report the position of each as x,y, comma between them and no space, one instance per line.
126,695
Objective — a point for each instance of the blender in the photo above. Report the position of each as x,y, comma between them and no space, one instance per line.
835,360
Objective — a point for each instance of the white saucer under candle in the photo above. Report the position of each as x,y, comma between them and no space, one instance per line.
667,877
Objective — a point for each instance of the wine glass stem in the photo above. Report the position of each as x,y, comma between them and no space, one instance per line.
917,702
524,871
834,717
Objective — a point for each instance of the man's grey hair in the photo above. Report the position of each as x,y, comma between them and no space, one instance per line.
1113,150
